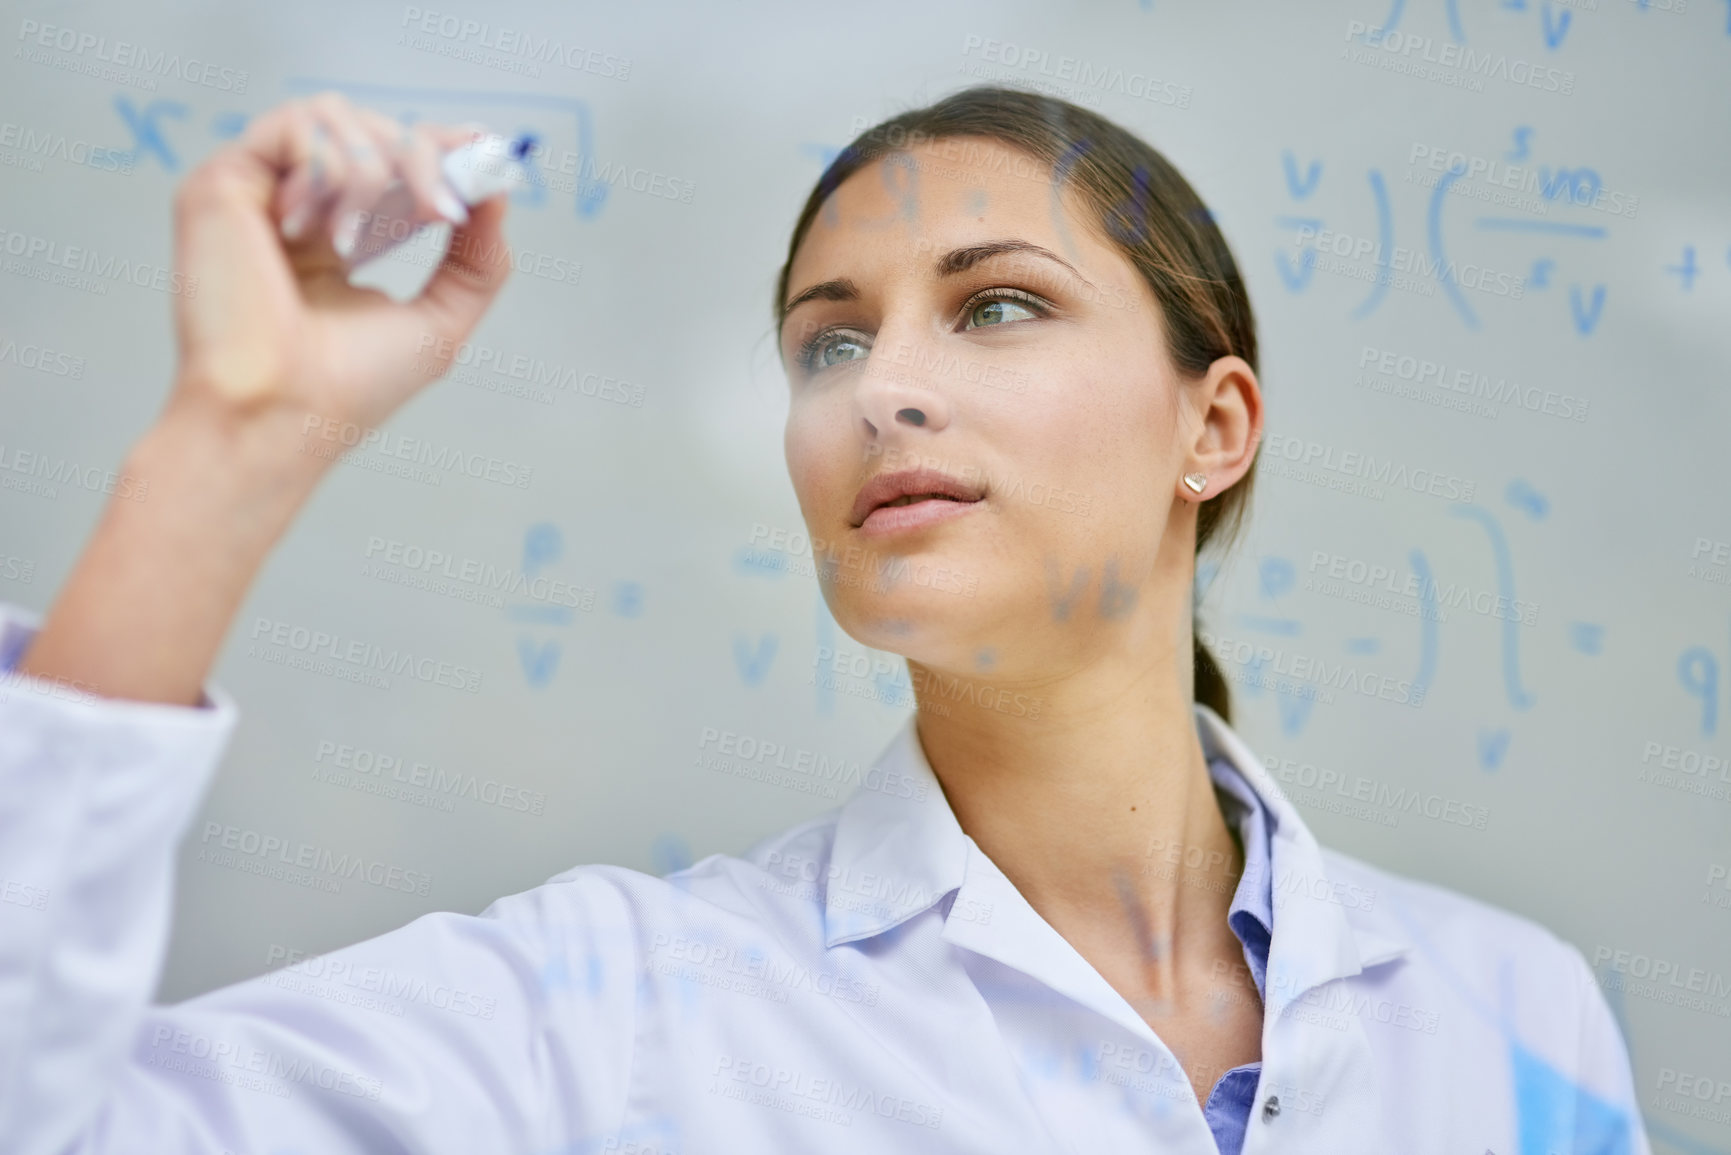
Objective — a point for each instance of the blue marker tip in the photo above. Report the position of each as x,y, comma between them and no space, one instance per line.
522,146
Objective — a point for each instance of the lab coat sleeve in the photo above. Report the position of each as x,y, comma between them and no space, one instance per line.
1608,1119
508,1031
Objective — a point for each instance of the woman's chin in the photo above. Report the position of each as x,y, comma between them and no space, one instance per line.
919,625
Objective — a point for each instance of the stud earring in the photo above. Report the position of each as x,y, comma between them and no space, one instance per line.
1196,481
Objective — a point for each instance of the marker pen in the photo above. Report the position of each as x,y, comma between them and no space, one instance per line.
480,169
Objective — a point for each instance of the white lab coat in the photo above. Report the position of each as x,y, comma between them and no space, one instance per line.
867,981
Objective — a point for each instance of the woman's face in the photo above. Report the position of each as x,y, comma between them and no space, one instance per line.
954,312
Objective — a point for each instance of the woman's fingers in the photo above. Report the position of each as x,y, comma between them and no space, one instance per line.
413,154
369,151
426,178
466,281
339,161
319,171
450,137
331,162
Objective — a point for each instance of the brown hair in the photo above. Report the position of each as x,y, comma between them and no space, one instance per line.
1143,206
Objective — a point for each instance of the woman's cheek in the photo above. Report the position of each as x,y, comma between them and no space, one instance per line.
815,466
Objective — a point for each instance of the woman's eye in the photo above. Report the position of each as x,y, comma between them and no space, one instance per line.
845,345
996,312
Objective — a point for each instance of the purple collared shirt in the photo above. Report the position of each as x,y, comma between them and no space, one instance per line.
1251,917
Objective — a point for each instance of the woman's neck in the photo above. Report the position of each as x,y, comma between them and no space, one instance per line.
1102,813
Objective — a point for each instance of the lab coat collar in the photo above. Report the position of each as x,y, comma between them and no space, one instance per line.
1315,939
898,848
899,851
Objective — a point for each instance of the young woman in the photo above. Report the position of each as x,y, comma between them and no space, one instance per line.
1068,911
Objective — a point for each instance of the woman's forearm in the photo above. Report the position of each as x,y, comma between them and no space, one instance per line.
149,601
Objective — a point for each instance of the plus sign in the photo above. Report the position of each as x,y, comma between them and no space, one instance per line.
1687,270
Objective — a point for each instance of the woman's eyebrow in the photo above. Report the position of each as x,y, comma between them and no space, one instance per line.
952,263
840,289
961,260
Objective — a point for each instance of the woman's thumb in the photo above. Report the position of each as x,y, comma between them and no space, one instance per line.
474,268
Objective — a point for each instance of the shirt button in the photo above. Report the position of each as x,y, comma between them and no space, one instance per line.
1270,1108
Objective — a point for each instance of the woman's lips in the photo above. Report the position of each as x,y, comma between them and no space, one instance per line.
892,519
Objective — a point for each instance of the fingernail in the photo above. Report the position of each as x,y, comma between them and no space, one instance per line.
344,239
450,207
295,223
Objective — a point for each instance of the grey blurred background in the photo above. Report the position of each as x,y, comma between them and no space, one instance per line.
1496,481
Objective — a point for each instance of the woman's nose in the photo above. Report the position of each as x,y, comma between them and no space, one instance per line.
899,394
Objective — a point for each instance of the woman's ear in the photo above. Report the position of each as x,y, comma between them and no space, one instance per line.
1221,430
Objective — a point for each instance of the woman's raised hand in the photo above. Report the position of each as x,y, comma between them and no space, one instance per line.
274,344
274,329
